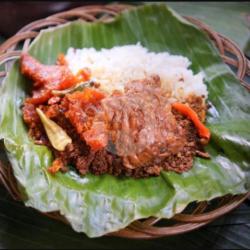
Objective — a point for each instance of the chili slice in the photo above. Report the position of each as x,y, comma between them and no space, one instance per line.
185,110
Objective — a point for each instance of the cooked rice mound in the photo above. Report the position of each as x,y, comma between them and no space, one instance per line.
114,67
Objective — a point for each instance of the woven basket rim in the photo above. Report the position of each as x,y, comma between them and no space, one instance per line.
138,229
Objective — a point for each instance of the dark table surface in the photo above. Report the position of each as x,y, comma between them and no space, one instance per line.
22,227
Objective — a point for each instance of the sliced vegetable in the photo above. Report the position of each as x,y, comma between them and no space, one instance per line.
78,87
57,136
184,109
57,164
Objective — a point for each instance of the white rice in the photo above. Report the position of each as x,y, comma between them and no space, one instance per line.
112,68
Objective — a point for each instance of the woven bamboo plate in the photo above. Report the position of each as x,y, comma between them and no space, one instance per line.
195,215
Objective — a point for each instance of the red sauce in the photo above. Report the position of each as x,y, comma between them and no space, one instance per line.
83,108
54,77
39,96
49,77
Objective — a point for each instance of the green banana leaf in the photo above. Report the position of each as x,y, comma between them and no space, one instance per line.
218,15
97,205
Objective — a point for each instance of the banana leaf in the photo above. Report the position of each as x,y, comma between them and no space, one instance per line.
97,205
218,15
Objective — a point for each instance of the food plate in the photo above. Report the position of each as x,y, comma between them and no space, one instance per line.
97,205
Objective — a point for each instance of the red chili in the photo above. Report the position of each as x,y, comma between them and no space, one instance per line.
184,109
